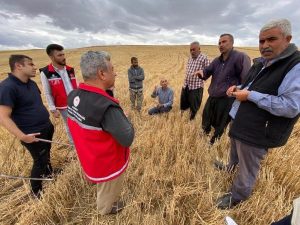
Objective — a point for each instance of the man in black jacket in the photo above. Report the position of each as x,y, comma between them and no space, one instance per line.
266,108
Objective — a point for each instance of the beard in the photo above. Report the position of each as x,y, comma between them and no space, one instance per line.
61,63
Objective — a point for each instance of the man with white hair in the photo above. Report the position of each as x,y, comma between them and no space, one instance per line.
101,132
266,108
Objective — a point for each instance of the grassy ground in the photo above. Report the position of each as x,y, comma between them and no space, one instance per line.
170,179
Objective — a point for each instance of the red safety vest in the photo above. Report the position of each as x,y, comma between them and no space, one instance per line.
101,156
57,86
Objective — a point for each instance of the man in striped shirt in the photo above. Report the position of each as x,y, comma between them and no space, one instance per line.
192,90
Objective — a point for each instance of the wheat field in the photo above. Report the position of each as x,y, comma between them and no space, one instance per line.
170,178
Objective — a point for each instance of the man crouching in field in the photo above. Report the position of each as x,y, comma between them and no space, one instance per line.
23,114
101,132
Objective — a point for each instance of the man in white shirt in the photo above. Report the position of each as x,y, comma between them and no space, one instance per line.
58,80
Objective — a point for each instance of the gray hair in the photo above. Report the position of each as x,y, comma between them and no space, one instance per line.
283,24
91,62
195,43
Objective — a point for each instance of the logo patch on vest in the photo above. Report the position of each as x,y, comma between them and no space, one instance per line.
76,101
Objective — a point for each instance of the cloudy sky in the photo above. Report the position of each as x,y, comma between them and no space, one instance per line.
28,24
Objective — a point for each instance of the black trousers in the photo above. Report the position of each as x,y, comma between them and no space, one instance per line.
40,153
284,221
216,115
191,99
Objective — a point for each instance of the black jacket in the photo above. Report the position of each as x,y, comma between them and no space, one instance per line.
256,126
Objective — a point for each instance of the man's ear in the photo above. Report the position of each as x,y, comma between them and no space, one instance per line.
18,65
101,74
289,38
51,56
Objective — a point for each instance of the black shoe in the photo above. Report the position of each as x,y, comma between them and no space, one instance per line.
227,168
212,141
227,202
36,195
206,131
192,116
117,207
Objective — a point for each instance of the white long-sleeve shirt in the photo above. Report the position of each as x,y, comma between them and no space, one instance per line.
47,89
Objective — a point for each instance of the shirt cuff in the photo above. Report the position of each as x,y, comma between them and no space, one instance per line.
254,96
52,108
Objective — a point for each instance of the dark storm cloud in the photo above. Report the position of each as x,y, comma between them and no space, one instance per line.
143,18
98,16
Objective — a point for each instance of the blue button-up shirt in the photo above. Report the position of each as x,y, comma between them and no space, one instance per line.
286,103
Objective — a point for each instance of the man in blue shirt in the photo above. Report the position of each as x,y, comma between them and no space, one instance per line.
165,98
23,114
265,110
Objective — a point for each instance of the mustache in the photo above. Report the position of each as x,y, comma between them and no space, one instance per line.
266,50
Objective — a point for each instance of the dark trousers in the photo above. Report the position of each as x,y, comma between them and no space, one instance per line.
40,153
248,157
157,110
191,99
284,221
216,115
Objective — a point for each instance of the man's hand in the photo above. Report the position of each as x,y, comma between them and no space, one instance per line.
55,113
29,138
231,90
241,95
199,73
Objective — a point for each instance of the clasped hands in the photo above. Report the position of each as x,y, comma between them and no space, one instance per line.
241,95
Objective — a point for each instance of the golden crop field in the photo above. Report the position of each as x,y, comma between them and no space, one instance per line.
170,178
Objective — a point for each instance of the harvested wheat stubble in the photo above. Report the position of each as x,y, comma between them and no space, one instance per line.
170,178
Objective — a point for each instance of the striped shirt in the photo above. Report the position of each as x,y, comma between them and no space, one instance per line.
192,81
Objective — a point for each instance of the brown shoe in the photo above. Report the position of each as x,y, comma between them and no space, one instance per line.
117,207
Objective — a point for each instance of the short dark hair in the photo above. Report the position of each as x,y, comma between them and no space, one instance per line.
52,47
229,35
13,59
133,59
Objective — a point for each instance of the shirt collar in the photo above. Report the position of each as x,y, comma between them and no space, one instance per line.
57,69
13,77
